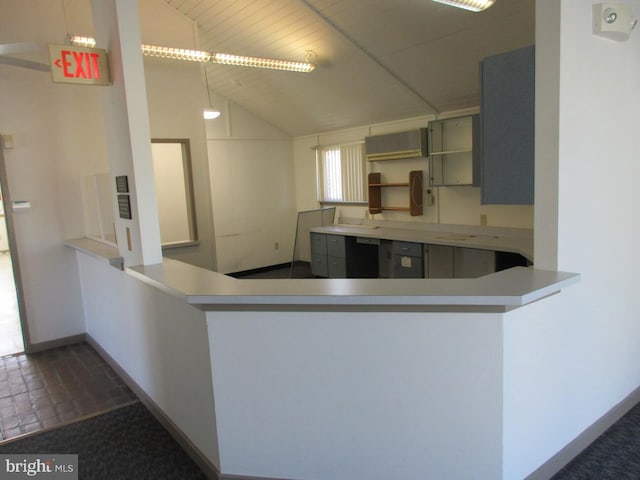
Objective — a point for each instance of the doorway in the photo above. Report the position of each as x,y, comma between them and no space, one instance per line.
10,330
11,336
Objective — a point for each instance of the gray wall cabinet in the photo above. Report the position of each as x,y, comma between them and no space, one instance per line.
507,83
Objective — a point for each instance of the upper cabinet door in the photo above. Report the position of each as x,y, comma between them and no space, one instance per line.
507,109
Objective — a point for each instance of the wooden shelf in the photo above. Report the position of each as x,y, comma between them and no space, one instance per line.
414,184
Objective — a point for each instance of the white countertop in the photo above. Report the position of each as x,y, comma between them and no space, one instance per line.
97,249
498,292
484,238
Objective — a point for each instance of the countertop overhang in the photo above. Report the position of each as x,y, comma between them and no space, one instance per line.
497,292
209,290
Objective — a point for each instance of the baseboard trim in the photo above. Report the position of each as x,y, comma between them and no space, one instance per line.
586,438
209,469
58,342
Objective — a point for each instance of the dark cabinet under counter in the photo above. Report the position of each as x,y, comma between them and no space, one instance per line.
340,256
351,256
407,258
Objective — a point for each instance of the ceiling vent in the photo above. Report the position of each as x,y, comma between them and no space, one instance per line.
395,146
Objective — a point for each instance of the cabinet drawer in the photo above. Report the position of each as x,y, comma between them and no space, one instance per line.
318,243
411,249
368,241
337,267
319,266
335,245
405,266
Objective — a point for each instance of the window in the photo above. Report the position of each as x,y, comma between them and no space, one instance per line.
341,174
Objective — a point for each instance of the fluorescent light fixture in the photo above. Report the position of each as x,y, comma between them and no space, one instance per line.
202,56
258,62
175,53
210,114
471,5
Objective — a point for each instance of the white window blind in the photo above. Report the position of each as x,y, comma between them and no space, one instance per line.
341,172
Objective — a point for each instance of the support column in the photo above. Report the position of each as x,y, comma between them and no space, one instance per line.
547,141
117,29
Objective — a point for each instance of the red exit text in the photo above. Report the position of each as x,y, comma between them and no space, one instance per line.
79,64
71,64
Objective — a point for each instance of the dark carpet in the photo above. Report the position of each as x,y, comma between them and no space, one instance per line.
615,455
127,443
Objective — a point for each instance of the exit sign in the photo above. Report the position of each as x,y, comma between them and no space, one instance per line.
80,65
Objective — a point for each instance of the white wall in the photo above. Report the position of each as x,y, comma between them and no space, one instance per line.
55,128
571,358
252,190
355,396
453,205
59,135
159,340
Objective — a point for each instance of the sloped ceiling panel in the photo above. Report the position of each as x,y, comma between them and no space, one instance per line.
378,60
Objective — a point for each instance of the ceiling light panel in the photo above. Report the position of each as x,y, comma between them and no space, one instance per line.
471,5
258,62
175,53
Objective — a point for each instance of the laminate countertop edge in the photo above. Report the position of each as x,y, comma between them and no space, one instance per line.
498,292
98,250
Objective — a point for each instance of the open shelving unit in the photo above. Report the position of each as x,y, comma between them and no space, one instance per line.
375,185
453,151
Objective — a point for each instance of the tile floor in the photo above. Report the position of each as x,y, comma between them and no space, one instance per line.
55,387
10,330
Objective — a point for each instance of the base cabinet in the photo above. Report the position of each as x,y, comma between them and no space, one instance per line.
336,256
439,261
407,259
456,262
339,256
385,259
473,263
319,266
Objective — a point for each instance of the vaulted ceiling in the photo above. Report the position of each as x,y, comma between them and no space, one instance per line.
377,60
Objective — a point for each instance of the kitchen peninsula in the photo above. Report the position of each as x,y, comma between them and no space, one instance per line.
208,290
364,355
